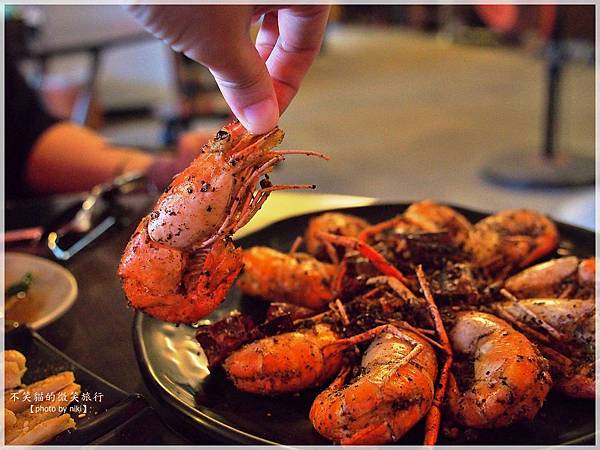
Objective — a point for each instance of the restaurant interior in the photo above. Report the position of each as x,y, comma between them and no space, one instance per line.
482,108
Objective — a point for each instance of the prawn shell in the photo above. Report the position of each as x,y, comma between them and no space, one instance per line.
179,264
193,207
278,277
157,279
511,239
158,267
510,377
575,321
382,403
289,362
334,223
433,217
542,279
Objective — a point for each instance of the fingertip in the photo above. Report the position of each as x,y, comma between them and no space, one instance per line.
260,117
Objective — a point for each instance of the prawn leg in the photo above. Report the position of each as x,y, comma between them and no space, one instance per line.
372,333
367,251
379,227
434,416
296,245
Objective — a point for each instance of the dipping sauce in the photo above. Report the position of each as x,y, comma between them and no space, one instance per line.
48,290
27,309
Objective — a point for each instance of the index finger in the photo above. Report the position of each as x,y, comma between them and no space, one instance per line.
301,31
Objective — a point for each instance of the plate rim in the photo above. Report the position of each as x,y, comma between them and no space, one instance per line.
210,424
215,427
66,303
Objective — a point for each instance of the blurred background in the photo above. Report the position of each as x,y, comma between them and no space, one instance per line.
410,101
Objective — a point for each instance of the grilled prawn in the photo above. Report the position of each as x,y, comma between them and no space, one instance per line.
510,240
499,376
434,217
287,362
306,357
312,354
335,223
567,277
393,391
425,216
180,262
564,330
296,278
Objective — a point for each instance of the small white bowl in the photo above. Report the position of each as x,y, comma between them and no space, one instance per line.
54,288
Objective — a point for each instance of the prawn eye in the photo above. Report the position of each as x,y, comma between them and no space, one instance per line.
222,135
265,183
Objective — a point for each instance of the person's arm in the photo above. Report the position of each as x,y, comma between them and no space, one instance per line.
68,158
47,156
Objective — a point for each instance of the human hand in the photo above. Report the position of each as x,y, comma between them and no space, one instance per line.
258,82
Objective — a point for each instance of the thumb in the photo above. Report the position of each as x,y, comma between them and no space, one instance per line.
247,87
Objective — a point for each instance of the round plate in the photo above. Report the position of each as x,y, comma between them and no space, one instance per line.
52,291
201,404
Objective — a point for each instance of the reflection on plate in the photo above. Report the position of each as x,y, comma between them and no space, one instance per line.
52,291
202,404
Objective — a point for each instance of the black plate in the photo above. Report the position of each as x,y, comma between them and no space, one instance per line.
204,404
103,415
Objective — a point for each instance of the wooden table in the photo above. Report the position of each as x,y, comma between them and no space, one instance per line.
97,330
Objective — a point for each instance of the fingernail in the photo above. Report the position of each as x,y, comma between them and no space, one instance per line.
260,117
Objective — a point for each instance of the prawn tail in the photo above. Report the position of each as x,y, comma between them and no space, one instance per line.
199,294
581,385
375,433
220,269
